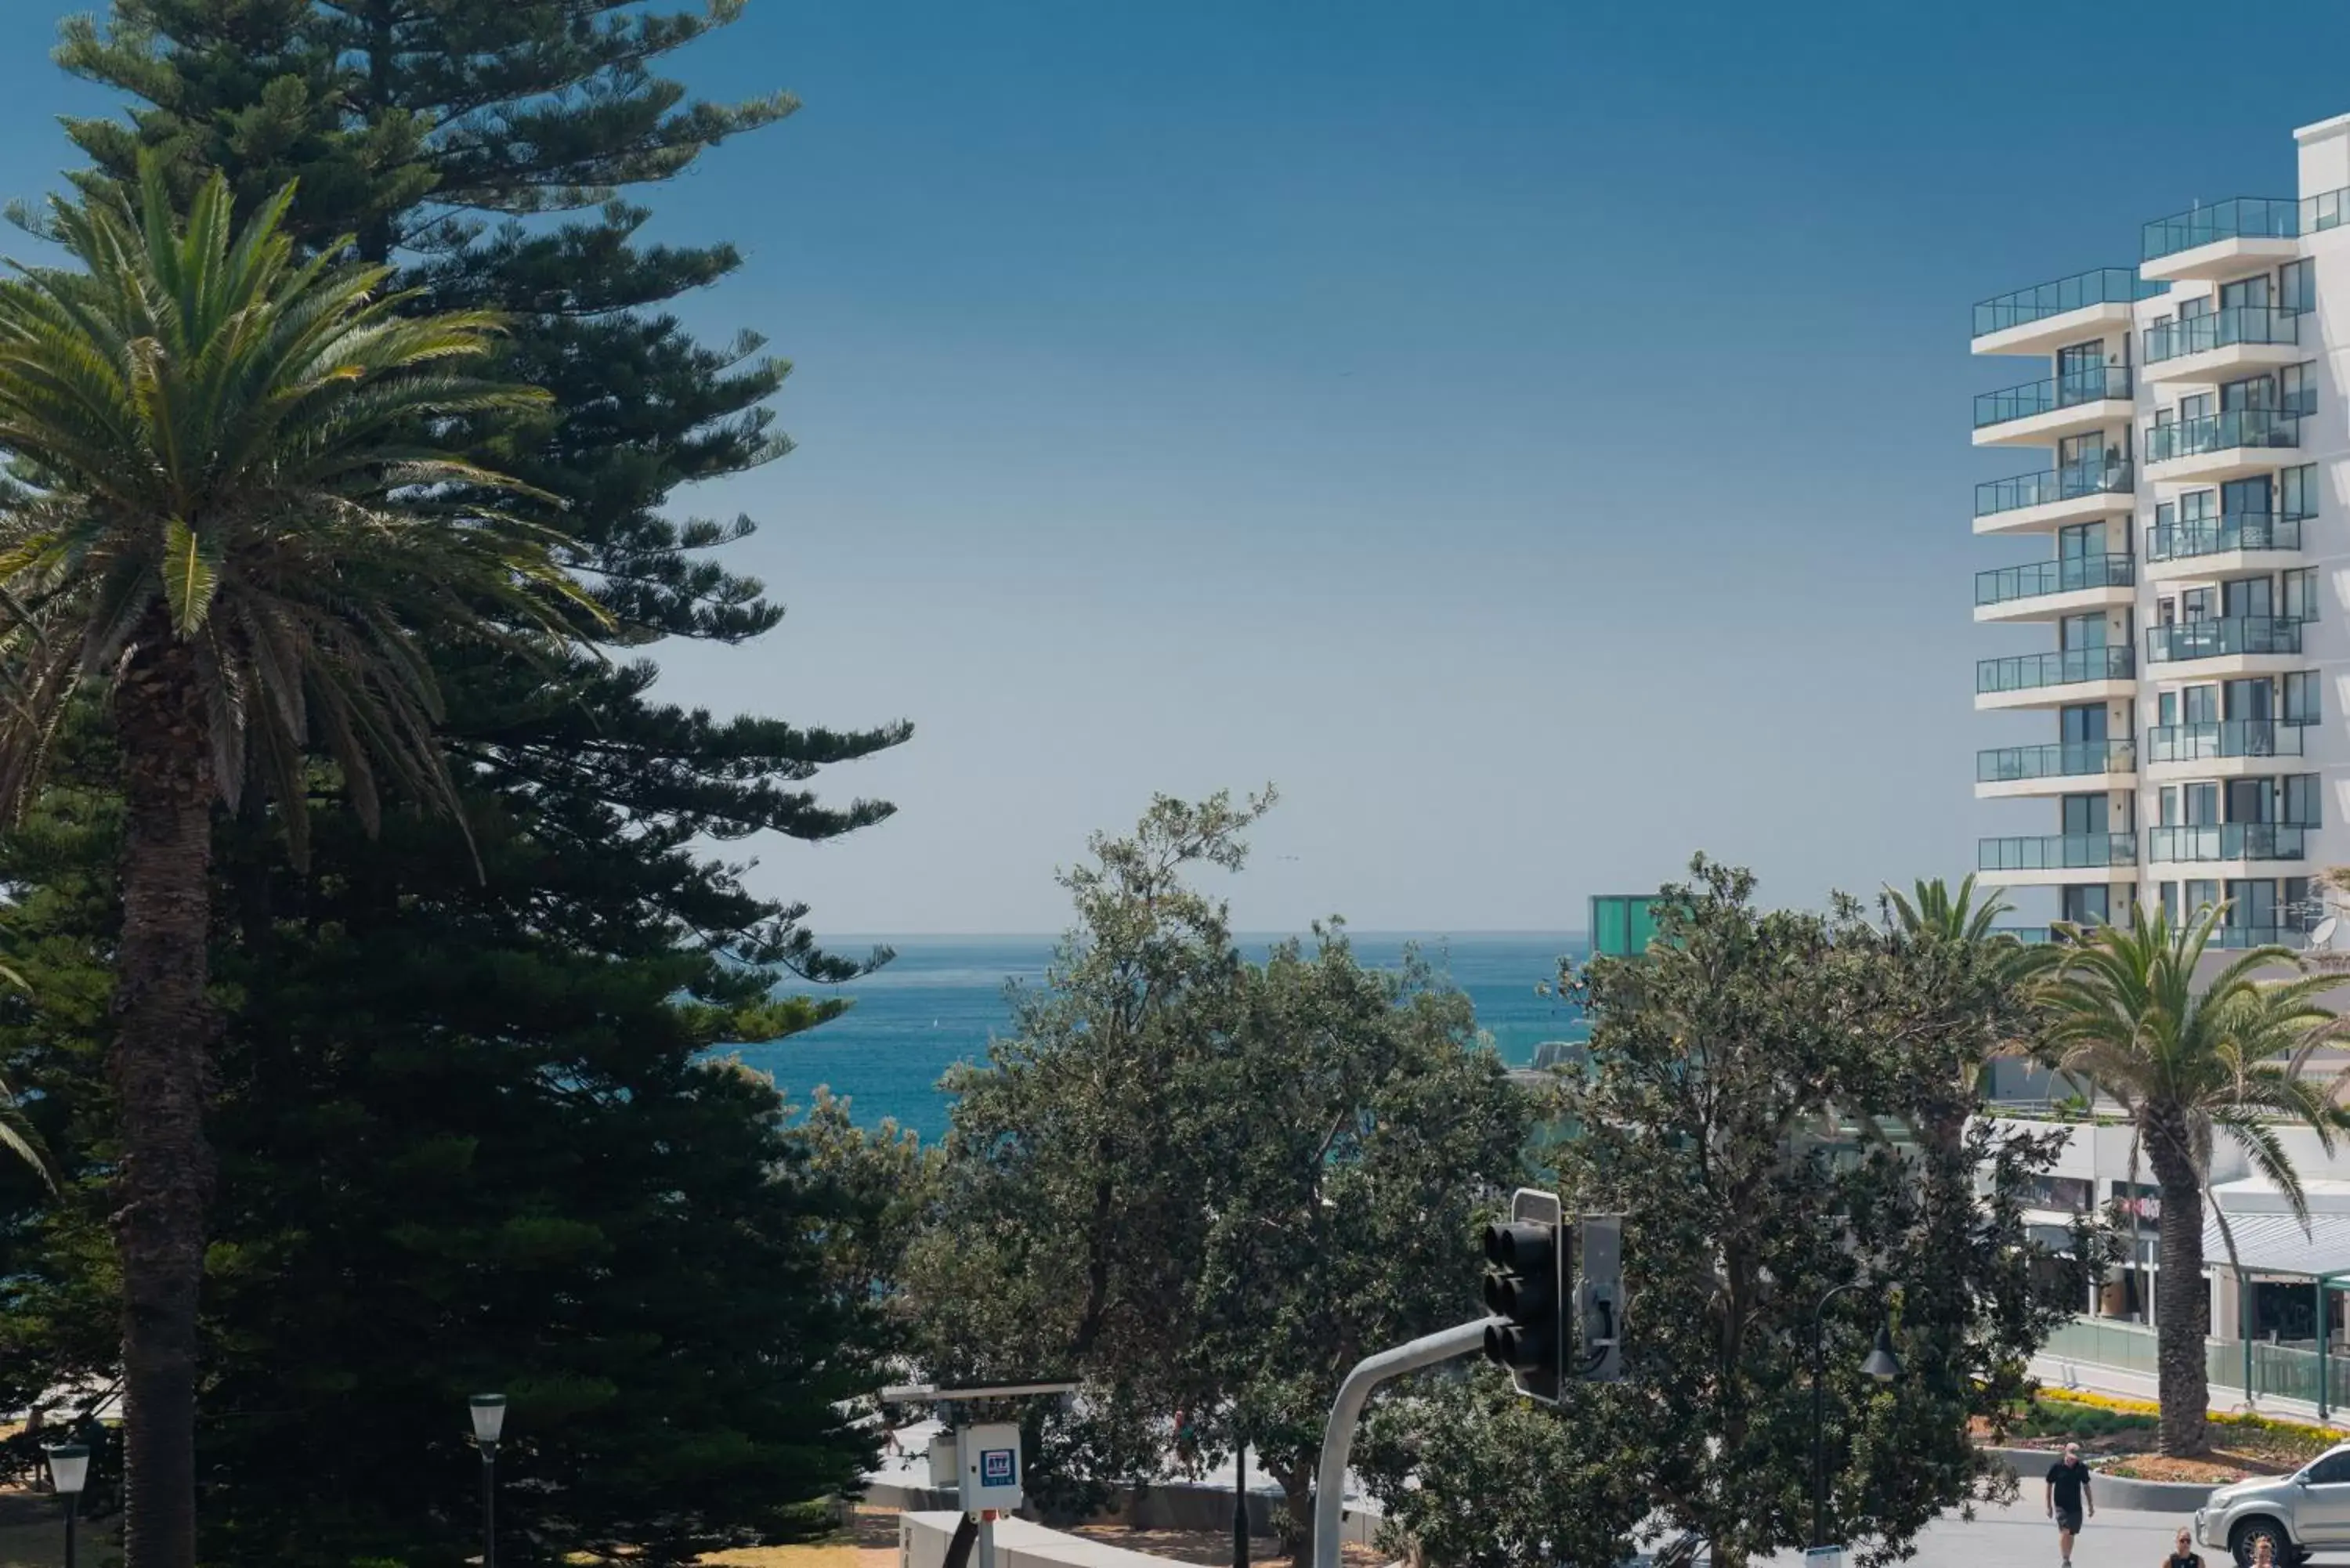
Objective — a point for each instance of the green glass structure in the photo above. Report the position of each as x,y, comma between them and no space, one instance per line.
1622,923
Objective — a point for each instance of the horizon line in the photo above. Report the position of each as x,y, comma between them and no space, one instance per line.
1421,935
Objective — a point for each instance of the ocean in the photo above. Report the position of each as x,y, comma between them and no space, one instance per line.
941,999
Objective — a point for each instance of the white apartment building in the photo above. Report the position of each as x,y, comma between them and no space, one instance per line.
2182,535
2178,545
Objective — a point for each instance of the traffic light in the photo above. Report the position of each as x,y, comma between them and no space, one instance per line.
1599,1299
1525,1275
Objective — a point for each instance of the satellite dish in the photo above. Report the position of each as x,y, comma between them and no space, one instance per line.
2322,938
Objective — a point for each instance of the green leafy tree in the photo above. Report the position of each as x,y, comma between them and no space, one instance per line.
1209,1187
1752,1105
2189,1064
487,153
226,517
1470,1473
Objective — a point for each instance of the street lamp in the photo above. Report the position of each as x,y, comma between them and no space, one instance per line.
69,1472
489,1420
1881,1365
1240,1499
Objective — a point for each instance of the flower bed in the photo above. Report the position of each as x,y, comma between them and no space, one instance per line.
2117,1438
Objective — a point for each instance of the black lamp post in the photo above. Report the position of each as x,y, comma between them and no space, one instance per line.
69,1472
489,1419
1881,1365
1240,1501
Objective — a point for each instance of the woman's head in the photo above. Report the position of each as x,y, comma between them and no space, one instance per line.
2185,1542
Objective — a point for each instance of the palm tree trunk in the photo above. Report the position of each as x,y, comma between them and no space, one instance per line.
160,1068
2182,1299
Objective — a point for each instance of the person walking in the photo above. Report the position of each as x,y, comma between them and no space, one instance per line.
2184,1555
2068,1494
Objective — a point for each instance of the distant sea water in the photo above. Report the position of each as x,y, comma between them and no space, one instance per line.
942,999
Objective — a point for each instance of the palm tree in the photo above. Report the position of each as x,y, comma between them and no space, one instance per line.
233,521
1985,975
2188,1065
1934,912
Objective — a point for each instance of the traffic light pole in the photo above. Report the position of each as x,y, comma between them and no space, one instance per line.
1346,1413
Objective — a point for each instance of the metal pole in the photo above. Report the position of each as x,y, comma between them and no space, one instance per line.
987,1538
1346,1413
73,1502
1819,1432
1820,1412
2322,1379
1240,1503
489,1505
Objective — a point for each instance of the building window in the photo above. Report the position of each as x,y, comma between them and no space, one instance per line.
2301,697
2200,896
2297,286
2299,387
2298,488
2088,906
2170,901
2302,799
2301,594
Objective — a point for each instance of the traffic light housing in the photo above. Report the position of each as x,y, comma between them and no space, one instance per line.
1599,1278
1525,1278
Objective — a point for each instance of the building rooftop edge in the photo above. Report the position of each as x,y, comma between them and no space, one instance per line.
2310,132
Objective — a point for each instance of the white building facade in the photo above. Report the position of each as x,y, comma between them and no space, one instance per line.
2180,548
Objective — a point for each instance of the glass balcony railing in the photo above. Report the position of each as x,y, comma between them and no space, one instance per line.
2215,535
2101,286
2240,936
2104,478
2222,432
2027,672
2241,218
2216,638
2245,218
2030,935
2070,390
2223,328
2223,738
2227,841
2057,852
2068,574
2062,760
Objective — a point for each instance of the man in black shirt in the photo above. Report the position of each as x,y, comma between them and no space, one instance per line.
2068,1492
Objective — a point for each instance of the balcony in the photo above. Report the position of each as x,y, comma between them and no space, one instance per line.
2046,317
2246,841
2220,546
2243,235
2044,502
2239,638
2222,446
2054,680
2059,857
2237,938
2071,767
2039,412
2224,748
2207,347
2045,590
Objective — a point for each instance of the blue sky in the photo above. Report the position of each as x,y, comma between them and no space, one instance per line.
1533,435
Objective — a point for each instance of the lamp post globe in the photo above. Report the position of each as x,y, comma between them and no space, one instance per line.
70,1473
1882,1364
489,1412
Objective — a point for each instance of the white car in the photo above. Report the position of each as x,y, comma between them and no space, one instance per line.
2306,1512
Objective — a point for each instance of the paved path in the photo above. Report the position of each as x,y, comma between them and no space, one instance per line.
2021,1536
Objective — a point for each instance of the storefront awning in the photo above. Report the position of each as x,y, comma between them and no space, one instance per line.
2277,1244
